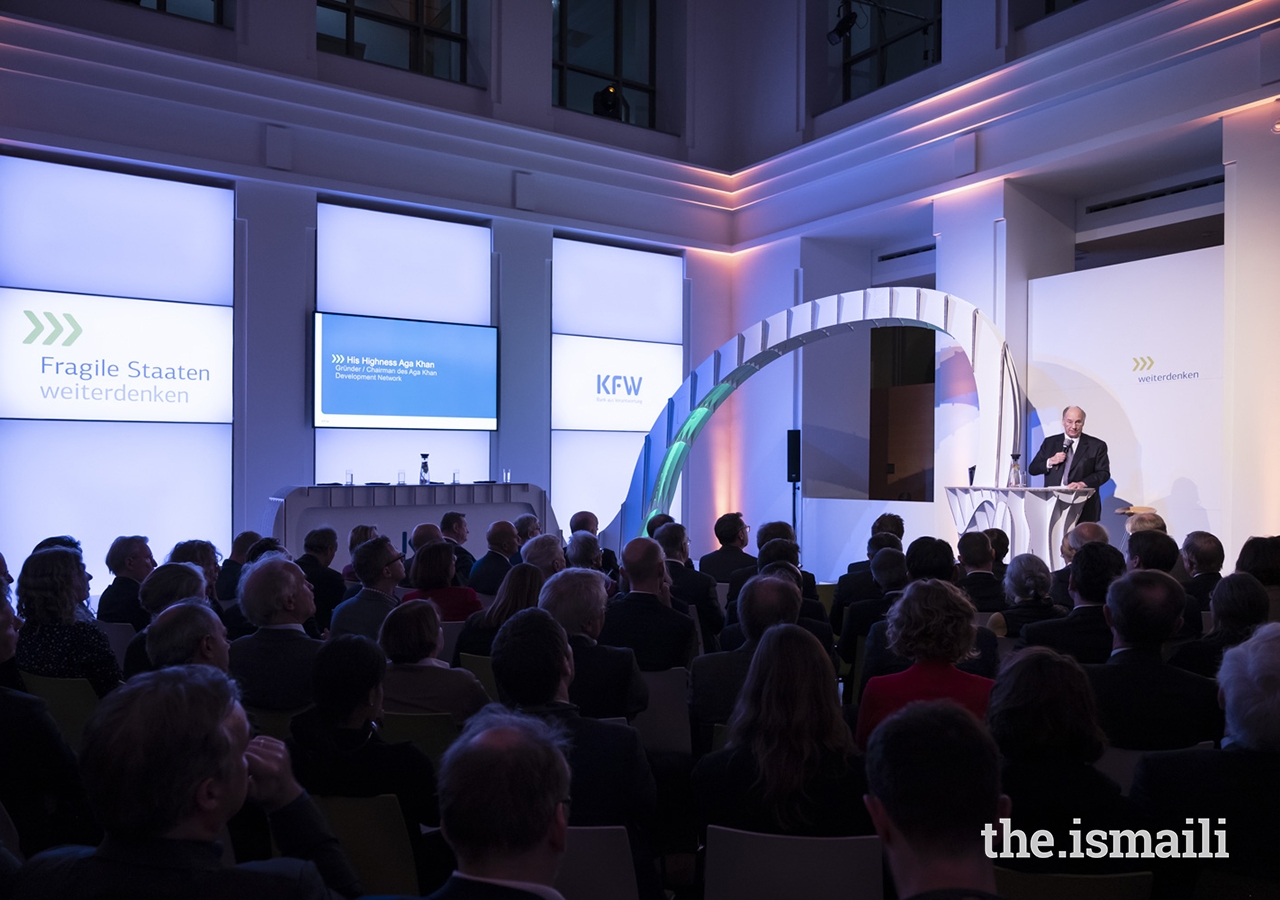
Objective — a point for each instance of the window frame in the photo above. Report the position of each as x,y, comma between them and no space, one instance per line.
220,7
882,43
561,67
418,30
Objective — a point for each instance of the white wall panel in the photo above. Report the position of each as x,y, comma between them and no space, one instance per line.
612,292
592,470
608,385
378,455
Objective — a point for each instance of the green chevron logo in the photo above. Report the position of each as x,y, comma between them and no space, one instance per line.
38,328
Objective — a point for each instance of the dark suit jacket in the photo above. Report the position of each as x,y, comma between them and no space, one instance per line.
463,561
158,869
606,681
714,683
229,580
1090,466
699,591
119,603
858,620
740,577
852,587
1083,634
1146,704
985,590
661,637
273,668
1198,591
721,564
609,563
487,573
1060,587
465,889
734,636
327,585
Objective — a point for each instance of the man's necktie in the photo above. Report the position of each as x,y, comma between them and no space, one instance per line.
1066,466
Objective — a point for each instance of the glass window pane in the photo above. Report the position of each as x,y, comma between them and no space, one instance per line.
442,57
331,23
589,40
400,9
555,87
203,10
639,101
580,91
381,43
636,41
444,14
861,77
907,56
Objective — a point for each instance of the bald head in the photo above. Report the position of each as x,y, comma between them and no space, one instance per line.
644,564
1084,533
502,538
424,534
766,601
584,521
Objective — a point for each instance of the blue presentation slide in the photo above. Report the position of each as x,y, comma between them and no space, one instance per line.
397,373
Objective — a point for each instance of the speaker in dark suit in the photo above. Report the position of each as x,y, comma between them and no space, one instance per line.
1074,457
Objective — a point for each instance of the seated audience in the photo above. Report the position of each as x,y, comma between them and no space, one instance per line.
518,590
1239,604
812,616
424,533
1151,549
1202,557
690,587
360,534
732,533
453,526
417,681
1045,722
610,781
1026,583
716,678
130,560
167,761
55,642
889,569
932,626
1154,522
656,521
985,591
165,586
504,809
39,785
490,569
336,748
643,619
1240,782
188,633
262,546
1073,540
432,575
779,551
229,575
858,584
273,665
607,682
380,567
206,556
544,552
1260,557
789,766
999,550
320,546
769,531
588,522
527,528
933,792
1143,702
1084,633
583,551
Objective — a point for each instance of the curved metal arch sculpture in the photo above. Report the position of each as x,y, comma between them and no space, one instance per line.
666,447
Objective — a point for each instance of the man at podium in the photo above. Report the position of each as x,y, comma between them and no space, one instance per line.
1074,459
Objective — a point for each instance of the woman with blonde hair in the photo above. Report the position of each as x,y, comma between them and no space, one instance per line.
789,765
519,590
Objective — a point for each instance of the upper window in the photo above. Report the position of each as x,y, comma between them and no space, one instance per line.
604,58
1023,12
879,44
426,36
216,11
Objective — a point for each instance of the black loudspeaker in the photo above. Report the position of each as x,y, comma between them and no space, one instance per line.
793,456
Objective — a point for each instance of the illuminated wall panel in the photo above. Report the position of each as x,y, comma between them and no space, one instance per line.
378,455
611,292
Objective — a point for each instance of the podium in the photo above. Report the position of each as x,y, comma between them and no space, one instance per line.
1036,519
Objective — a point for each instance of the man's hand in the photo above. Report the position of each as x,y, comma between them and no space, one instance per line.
1076,485
271,780
1057,459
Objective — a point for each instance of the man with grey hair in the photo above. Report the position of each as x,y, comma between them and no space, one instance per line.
583,551
1072,541
188,633
490,569
544,553
608,683
1075,460
321,546
273,665
585,520
130,560
527,528
1240,782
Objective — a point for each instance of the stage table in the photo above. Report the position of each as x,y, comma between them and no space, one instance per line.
1034,518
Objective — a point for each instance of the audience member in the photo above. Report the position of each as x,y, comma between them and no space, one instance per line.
985,591
690,587
932,626
733,534
490,569
380,568
54,642
165,586
262,546
769,531
432,579
858,584
607,682
417,680
656,521
1260,557
643,619
587,521
999,550
1202,557
1240,782
424,533
610,778
188,633
527,528
519,590
206,556
1072,541
1143,702
360,534
59,540
583,551
167,761
1239,604
1152,549
130,560
546,553
789,765
771,554
812,615
320,546
228,584
453,526
933,792
336,748
1084,633
273,665
1026,583
889,569
1152,521
504,809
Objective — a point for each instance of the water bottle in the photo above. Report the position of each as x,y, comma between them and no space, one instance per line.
1016,478
424,473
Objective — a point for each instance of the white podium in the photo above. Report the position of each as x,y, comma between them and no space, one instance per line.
1034,518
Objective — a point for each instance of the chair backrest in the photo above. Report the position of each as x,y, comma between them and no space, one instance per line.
597,863
119,634
371,831
1118,765
827,596
1026,886
449,632
697,627
664,726
71,702
722,594
1206,621
271,722
482,668
486,600
432,733
981,619
746,866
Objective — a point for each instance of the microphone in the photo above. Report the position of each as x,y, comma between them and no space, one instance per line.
1066,447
